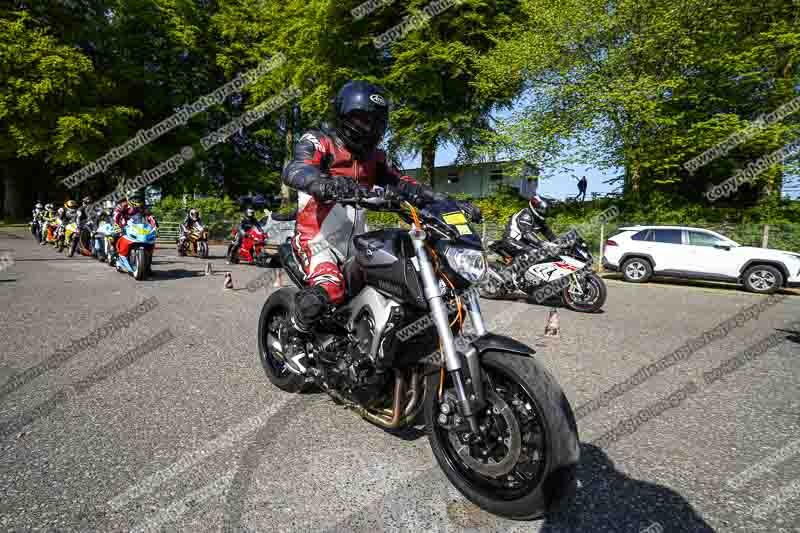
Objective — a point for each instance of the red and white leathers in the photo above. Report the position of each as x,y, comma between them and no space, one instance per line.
324,231
124,212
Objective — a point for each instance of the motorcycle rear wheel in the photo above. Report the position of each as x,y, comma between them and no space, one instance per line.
272,325
545,471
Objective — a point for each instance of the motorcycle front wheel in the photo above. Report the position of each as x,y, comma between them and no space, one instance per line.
526,462
589,298
70,250
233,254
202,249
139,255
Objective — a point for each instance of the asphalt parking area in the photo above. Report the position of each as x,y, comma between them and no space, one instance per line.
189,435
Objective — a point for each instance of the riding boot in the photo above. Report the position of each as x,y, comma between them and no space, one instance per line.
310,305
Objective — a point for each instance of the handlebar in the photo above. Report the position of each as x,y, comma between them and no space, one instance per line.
373,199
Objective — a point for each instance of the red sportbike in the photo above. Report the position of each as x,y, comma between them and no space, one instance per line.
252,250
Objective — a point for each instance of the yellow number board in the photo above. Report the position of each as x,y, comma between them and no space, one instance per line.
459,221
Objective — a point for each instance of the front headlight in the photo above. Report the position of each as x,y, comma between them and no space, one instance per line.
467,263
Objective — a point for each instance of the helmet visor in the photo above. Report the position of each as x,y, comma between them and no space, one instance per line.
363,129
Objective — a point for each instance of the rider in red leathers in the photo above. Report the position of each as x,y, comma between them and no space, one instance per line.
332,165
125,210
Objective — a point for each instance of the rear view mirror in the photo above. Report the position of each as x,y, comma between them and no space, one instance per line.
723,246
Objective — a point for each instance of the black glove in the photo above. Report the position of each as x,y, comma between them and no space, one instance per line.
472,212
416,194
333,188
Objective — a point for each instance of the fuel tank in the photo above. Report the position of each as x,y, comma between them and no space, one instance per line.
386,261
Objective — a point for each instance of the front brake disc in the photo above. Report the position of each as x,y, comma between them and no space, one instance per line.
513,442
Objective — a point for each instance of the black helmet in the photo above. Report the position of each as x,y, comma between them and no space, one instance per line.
362,116
194,214
249,212
87,200
538,206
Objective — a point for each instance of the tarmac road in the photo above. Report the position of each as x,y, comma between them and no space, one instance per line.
188,435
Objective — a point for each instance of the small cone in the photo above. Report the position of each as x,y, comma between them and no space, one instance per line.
209,271
228,280
552,328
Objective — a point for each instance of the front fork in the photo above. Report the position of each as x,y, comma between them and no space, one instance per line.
468,381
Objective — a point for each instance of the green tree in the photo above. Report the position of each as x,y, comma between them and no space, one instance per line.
647,86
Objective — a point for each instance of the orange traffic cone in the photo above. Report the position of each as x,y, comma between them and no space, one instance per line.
552,328
228,280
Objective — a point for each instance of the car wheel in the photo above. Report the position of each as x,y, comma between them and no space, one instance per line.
637,270
763,279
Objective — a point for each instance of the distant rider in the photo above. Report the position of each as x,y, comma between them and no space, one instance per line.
192,218
70,212
248,221
83,215
47,217
523,230
104,214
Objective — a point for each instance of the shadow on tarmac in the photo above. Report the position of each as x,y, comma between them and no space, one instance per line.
609,500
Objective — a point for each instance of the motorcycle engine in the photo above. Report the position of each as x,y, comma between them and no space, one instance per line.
351,369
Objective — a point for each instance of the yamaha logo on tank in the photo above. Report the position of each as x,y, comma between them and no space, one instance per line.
378,99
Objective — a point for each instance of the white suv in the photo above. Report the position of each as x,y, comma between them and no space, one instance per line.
641,252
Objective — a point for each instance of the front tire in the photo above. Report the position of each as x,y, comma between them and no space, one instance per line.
593,297
272,324
140,270
233,254
763,279
202,249
545,472
73,244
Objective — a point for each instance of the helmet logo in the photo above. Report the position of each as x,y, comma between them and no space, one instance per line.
378,99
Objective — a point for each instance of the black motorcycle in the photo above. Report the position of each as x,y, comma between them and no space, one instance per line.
499,424
565,274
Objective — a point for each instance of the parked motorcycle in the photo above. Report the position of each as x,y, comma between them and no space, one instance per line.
195,242
135,247
499,424
251,250
569,274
